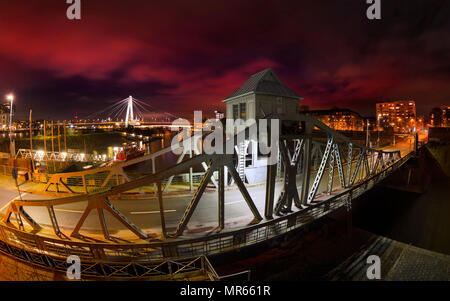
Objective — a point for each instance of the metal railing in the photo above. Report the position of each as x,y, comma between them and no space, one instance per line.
97,179
198,268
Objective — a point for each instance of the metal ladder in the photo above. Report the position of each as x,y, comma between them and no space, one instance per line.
241,160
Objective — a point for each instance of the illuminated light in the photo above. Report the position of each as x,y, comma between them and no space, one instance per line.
40,154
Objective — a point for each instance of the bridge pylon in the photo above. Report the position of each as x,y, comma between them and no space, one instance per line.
129,115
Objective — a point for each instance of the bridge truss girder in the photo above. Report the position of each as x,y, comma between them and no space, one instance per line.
293,148
289,192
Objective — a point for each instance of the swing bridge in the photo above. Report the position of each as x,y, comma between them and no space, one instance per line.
318,172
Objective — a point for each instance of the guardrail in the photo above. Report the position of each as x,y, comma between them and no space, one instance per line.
198,268
59,156
98,179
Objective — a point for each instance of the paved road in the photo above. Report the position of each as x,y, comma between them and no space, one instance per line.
8,192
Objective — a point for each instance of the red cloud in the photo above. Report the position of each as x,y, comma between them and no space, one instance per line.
196,55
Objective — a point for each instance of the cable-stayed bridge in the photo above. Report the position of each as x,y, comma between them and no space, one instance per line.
131,111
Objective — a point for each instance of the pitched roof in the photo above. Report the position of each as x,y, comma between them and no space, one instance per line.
264,82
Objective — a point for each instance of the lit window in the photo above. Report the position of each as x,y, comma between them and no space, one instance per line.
243,109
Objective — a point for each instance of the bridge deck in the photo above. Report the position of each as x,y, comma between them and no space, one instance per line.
144,211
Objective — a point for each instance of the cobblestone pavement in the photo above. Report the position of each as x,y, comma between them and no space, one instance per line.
399,262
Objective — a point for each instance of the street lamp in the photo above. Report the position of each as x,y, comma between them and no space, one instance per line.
378,130
367,133
10,97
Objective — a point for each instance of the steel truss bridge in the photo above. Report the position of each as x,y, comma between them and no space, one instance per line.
138,124
70,155
38,155
357,169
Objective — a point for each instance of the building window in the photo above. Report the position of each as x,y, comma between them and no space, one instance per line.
243,111
235,112
279,105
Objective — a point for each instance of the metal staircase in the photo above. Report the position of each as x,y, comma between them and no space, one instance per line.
242,154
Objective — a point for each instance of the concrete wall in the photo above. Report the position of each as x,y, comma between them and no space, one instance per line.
441,135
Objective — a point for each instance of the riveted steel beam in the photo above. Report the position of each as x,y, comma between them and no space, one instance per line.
339,165
194,201
298,148
366,164
101,217
319,174
289,192
179,160
51,213
270,190
377,162
221,197
106,204
306,165
355,171
76,230
244,192
161,209
331,173
349,162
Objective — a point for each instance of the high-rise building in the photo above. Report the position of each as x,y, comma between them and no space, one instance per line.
339,119
435,117
400,115
420,122
219,115
4,115
440,117
445,119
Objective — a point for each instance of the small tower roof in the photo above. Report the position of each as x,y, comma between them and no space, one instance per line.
264,82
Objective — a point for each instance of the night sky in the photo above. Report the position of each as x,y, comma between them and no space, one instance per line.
184,55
